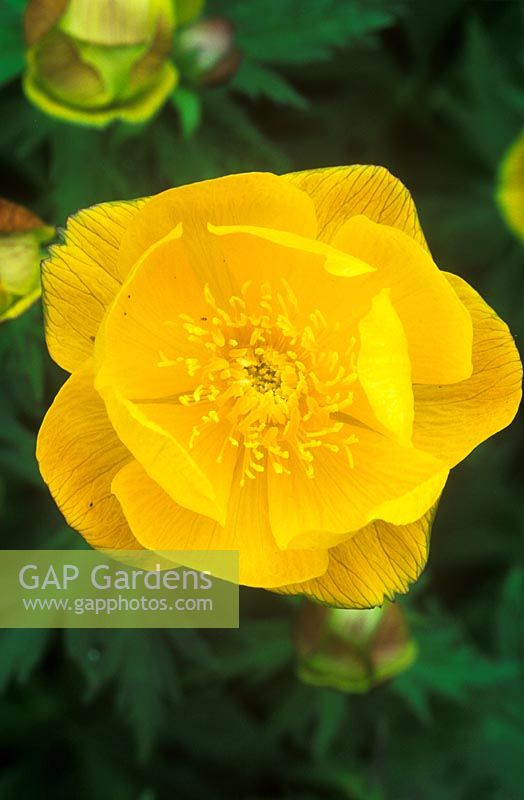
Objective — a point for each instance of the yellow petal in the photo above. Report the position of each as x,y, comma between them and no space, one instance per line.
437,325
164,457
335,261
342,192
206,446
295,269
79,454
256,198
142,345
378,562
450,421
340,498
384,368
161,524
81,278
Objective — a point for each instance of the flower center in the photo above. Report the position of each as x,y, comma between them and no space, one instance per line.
264,377
270,374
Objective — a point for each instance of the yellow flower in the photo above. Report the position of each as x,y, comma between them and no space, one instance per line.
273,365
21,236
93,61
510,191
352,649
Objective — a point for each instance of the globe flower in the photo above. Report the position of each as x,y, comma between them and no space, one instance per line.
352,649
510,191
92,62
21,237
273,365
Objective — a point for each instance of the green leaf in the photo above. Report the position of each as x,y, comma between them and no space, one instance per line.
219,729
299,31
246,659
226,120
331,712
11,42
140,665
509,631
96,653
257,81
20,653
147,680
482,104
22,354
193,647
79,175
17,447
189,107
448,665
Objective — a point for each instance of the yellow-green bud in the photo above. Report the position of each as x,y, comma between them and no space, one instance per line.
21,237
352,650
510,189
94,61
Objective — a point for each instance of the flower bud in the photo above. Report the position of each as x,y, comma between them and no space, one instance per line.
352,650
510,190
207,52
21,236
94,61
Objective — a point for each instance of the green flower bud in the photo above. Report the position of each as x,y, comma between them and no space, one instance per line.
352,650
207,53
510,189
94,61
21,237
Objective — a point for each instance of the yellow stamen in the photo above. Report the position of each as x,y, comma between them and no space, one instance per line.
276,383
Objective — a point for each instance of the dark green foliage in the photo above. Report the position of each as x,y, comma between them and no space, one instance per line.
435,92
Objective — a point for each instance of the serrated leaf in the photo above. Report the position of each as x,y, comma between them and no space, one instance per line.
247,659
256,80
448,665
147,680
264,31
143,670
482,104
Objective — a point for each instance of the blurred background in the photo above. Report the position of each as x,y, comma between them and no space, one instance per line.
433,91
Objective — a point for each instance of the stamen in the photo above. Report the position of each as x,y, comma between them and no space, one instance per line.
276,383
